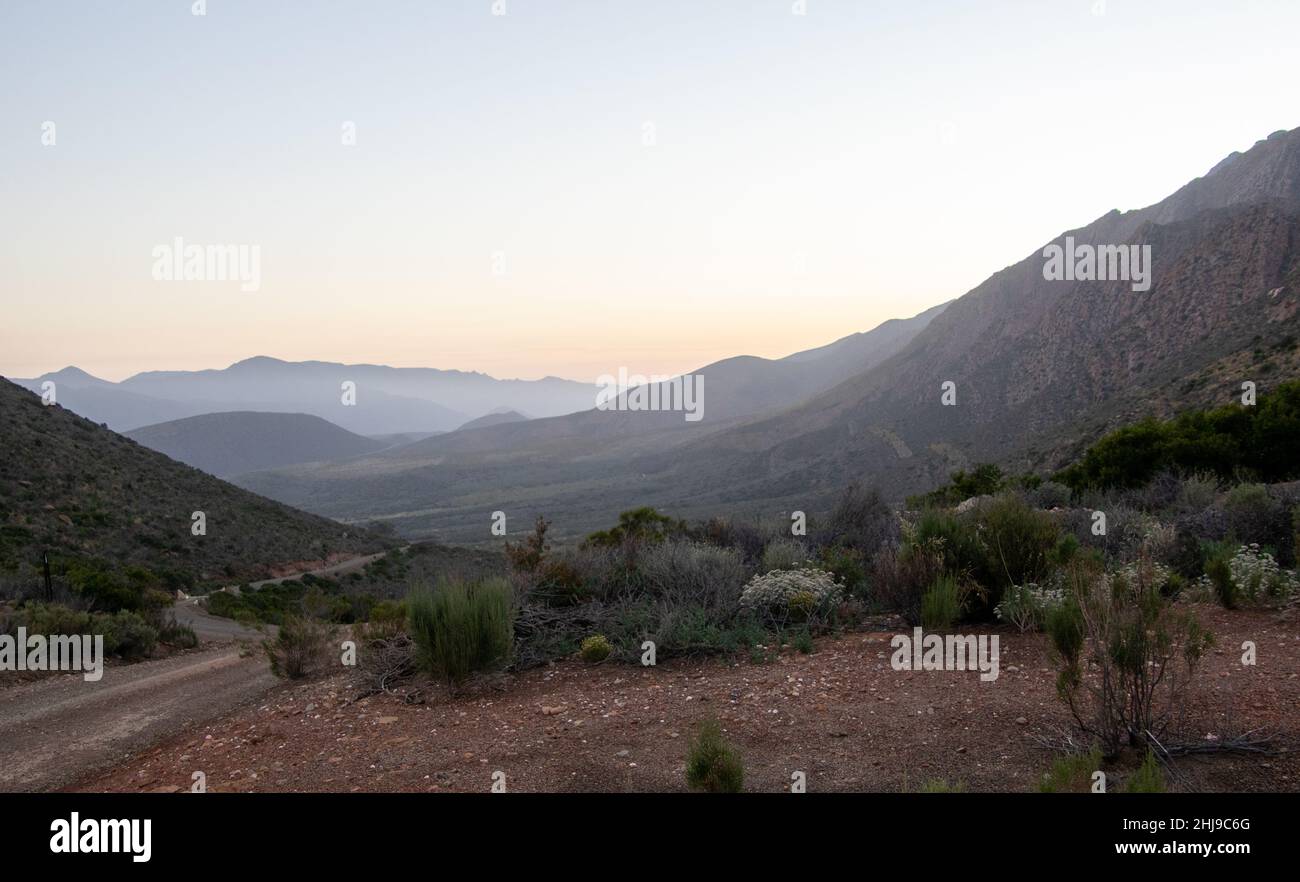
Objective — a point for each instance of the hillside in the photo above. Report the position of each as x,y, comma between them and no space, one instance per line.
76,489
224,444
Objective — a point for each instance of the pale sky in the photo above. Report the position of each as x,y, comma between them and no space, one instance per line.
810,175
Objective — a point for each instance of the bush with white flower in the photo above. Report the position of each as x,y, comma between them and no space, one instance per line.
1257,575
782,596
1027,606
1254,576
1145,572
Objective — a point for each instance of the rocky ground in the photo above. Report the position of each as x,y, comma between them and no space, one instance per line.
841,715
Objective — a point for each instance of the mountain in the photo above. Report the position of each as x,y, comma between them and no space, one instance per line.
101,401
535,459
387,401
224,444
494,419
1040,367
71,487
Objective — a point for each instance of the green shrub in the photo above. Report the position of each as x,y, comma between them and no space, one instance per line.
1148,778
1018,541
1219,570
849,568
1126,656
109,588
641,525
941,604
175,634
956,538
984,479
713,765
130,636
300,648
462,628
802,641
1071,774
125,633
595,649
1223,442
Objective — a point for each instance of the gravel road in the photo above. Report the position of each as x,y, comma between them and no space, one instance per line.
58,730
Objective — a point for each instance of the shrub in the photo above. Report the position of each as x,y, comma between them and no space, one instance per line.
941,604
849,568
1249,575
957,540
1052,494
175,634
984,479
713,765
901,578
1071,774
528,555
783,554
783,596
126,634
802,641
1218,571
1197,492
642,526
860,520
595,649
1224,442
462,628
684,573
107,588
1125,656
300,648
1254,517
1017,540
1027,606
1148,778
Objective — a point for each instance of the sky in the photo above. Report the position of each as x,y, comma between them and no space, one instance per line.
574,187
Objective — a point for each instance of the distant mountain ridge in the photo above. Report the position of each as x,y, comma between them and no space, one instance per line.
386,400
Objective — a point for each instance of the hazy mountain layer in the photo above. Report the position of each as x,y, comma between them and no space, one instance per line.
224,444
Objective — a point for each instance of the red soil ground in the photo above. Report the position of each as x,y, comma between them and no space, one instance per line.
840,715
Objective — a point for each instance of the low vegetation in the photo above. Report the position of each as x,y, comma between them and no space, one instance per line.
713,765
462,628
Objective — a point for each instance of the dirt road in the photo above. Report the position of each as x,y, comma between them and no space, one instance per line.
351,565
58,730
